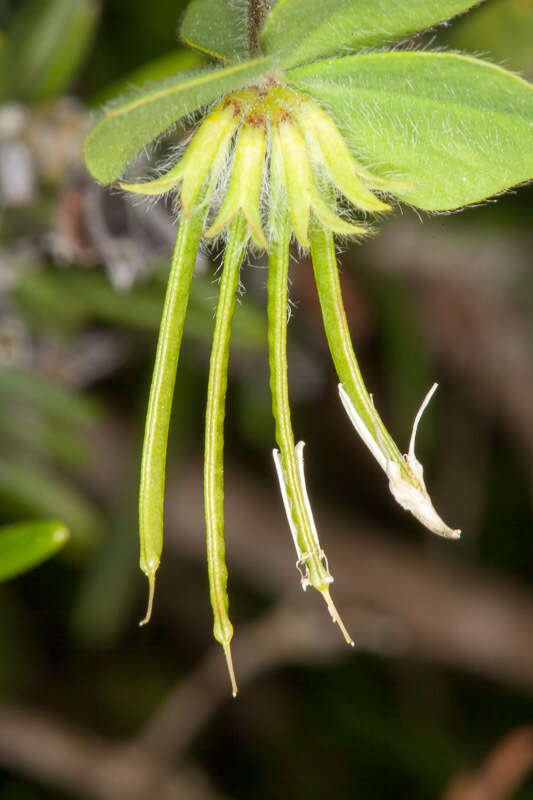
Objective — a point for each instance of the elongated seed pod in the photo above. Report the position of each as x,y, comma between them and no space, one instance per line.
152,485
340,344
405,473
292,480
214,437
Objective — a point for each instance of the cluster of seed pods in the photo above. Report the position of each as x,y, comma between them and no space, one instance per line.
269,165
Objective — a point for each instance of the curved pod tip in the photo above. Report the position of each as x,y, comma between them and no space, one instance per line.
151,592
229,662
336,617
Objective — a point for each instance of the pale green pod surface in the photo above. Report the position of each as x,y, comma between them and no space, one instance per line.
335,156
244,191
339,340
214,437
152,485
405,473
278,269
311,559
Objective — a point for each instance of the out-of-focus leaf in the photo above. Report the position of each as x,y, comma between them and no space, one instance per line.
62,404
29,490
455,129
110,585
27,544
26,428
47,46
303,30
90,297
178,60
3,67
218,28
138,119
502,28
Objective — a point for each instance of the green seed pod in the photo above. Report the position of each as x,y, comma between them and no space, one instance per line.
289,460
152,485
244,192
214,437
405,473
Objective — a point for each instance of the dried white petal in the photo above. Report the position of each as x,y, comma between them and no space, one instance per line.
412,495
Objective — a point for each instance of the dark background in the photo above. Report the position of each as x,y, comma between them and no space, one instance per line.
436,700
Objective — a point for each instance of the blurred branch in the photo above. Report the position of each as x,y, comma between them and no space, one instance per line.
297,632
73,761
502,773
396,601
433,610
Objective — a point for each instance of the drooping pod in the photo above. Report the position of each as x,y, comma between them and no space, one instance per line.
289,459
214,437
405,474
312,175
152,483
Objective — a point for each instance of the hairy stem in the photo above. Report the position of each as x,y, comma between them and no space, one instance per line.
152,485
214,437
256,13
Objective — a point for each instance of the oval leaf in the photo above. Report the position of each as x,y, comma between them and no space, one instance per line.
304,30
456,130
218,28
27,544
137,120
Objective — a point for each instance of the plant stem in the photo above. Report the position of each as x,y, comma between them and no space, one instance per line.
152,486
256,13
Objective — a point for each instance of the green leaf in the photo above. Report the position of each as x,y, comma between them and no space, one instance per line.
303,30
457,129
47,45
178,60
218,28
137,120
27,544
28,489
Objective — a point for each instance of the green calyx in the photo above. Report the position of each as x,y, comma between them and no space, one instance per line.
251,129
